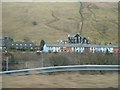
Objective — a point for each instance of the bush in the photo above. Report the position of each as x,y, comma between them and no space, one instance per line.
58,60
63,58
34,23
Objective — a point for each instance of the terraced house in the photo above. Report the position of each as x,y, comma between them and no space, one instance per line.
80,48
22,45
79,43
9,43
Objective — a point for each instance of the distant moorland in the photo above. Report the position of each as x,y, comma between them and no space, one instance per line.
54,21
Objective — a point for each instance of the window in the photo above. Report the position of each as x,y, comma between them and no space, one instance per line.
12,44
20,44
30,44
25,44
16,44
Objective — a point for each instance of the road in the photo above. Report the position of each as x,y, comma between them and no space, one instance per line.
62,69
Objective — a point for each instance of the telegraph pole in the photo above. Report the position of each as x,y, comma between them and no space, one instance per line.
26,64
6,63
42,60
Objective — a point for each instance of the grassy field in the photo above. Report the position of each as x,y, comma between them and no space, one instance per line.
54,21
63,80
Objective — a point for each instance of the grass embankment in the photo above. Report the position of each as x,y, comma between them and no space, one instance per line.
63,80
79,79
20,60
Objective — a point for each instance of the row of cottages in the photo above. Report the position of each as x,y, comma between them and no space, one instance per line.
9,43
77,38
22,45
80,48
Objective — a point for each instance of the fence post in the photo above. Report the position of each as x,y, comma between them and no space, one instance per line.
26,65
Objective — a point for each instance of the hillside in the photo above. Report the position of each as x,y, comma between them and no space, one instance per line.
54,21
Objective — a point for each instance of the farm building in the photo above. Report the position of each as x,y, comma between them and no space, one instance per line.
77,39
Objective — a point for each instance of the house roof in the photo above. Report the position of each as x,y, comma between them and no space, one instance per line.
76,35
22,43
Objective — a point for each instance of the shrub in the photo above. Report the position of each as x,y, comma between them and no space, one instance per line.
58,60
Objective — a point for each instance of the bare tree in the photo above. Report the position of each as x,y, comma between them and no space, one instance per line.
26,39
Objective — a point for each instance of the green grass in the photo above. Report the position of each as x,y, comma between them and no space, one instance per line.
56,20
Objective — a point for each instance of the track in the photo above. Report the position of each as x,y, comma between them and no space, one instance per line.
61,69
82,18
93,14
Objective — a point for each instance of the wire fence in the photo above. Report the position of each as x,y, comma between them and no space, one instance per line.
33,60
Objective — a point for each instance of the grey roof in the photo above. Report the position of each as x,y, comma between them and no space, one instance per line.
76,34
2,37
22,42
79,45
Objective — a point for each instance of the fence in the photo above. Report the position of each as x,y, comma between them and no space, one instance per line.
32,60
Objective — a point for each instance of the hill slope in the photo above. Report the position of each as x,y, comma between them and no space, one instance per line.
54,21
